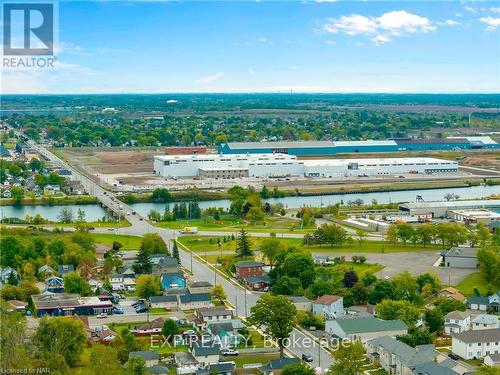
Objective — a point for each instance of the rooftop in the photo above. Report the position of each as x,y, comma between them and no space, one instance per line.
452,204
457,315
327,300
482,335
249,263
461,252
368,324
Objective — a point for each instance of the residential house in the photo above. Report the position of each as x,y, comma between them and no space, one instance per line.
329,306
18,305
51,189
151,358
162,263
194,301
486,321
150,328
364,328
301,303
225,333
452,293
173,280
6,193
261,282
221,368
158,370
117,282
46,270
185,363
476,343
54,284
206,353
492,360
168,302
5,274
460,257
479,303
245,269
63,269
275,366
200,287
456,322
203,316
105,336
494,302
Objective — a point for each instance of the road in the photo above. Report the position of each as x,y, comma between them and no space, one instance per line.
242,299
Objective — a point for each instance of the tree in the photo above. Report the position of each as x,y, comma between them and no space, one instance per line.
80,217
74,283
361,234
416,337
243,245
161,195
17,194
489,263
289,286
136,366
142,264
175,252
147,286
276,314
65,215
446,305
169,329
63,336
104,360
270,248
383,289
12,335
369,279
406,286
298,368
152,243
403,310
350,278
434,320
349,359
218,293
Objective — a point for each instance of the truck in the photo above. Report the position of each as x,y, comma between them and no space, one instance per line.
189,230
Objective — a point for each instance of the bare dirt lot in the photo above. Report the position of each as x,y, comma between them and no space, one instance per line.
113,161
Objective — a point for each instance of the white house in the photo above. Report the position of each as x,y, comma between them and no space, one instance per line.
168,302
329,306
492,360
486,321
212,315
476,343
206,353
149,328
456,322
185,363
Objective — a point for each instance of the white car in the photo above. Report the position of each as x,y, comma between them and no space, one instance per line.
229,352
101,316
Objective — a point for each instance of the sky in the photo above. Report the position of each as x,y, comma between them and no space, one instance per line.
278,46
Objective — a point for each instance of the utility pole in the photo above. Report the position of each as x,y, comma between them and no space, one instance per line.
191,252
236,296
246,312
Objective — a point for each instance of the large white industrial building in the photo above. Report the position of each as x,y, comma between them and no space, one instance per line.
283,165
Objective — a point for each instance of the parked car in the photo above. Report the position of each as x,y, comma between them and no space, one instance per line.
102,316
307,358
141,309
226,352
453,356
118,310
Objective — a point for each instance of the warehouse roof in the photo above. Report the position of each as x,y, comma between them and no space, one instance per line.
280,144
369,324
375,161
453,204
364,143
461,252
431,140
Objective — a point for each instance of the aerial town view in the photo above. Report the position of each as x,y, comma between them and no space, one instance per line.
245,188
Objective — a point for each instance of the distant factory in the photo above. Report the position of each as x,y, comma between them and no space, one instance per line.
276,165
300,148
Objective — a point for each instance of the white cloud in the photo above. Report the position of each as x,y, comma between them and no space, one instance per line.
211,78
470,9
22,82
381,39
492,23
495,10
71,49
264,40
331,42
251,71
459,14
388,25
449,22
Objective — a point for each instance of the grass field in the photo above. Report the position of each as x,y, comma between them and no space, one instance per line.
263,358
129,242
474,280
200,244
231,223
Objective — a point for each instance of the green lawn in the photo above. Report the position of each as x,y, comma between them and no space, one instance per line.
200,244
231,223
129,242
157,311
474,280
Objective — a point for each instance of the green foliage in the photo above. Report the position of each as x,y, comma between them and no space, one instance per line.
403,310
169,329
147,286
434,320
348,359
416,337
104,360
243,245
297,369
74,283
63,336
286,285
